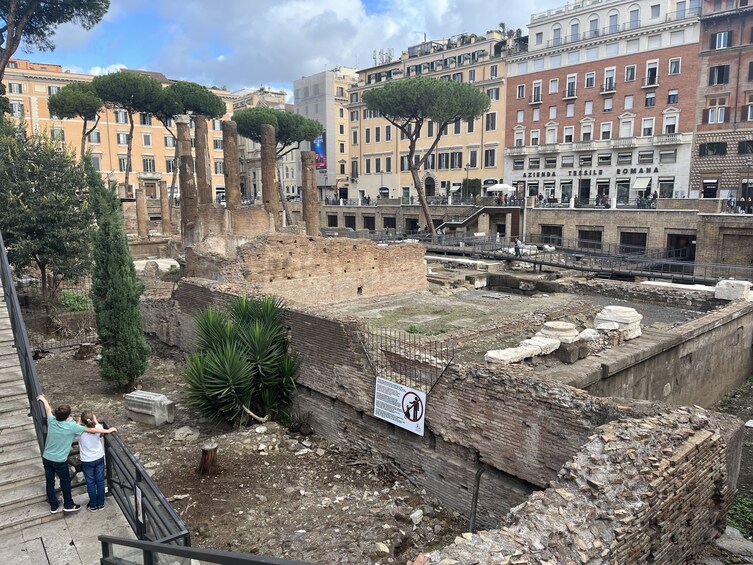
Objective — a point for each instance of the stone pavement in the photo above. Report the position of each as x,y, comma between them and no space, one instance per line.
71,540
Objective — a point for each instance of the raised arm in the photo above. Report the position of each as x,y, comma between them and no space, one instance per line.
101,430
47,408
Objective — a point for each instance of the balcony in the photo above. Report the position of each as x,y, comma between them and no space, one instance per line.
570,94
623,142
518,150
668,139
583,146
650,82
535,98
609,87
548,148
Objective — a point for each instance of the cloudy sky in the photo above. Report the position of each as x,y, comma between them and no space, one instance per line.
250,43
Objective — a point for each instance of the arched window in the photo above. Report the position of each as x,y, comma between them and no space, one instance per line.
593,26
556,36
613,19
634,17
574,30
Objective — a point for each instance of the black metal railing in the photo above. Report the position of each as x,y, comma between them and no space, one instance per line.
21,341
118,551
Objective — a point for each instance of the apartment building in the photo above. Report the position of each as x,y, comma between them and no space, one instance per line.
29,84
378,165
722,165
323,97
601,108
250,151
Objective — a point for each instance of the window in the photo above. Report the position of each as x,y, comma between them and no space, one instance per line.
624,158
718,75
15,88
590,80
121,117
377,134
593,26
655,11
520,116
521,91
589,239
554,86
96,162
609,80
493,70
145,119
518,164
388,133
551,135
490,156
608,104
388,164
604,159
670,124
568,134
535,137
585,160
652,73
716,112
58,134
588,108
218,144
456,126
571,81
429,128
614,22
52,90
342,147
491,121
550,163
219,167
626,128
630,73
456,160
16,108
575,31
568,161
146,139
471,126
552,112
570,110
720,40
745,147
536,96
539,38
715,148
122,138
170,165
668,156
585,132
367,135
606,130
674,66
493,93
367,166
650,99
471,75
556,36
645,157
536,114
673,96
169,141
216,124
354,115
534,163
629,102
635,18
648,127
95,137
148,164
518,139
354,137
122,163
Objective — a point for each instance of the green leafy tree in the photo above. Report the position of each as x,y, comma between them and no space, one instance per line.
242,367
409,103
77,100
34,22
115,291
46,218
133,93
4,102
184,97
290,131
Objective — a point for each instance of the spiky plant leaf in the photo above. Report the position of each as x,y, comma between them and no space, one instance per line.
213,329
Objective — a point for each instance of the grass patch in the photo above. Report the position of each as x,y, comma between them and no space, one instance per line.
740,515
414,329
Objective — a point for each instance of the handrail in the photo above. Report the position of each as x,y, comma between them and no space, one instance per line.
21,340
151,551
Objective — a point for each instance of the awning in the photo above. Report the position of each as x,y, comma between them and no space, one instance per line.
641,183
455,189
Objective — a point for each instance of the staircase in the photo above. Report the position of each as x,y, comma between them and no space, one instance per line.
23,501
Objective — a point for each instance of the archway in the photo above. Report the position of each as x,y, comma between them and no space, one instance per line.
430,186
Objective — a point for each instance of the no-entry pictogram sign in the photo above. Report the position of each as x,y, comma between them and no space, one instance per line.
401,405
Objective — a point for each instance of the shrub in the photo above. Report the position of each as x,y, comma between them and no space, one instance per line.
241,365
75,301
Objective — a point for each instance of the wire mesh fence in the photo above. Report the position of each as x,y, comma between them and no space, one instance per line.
57,317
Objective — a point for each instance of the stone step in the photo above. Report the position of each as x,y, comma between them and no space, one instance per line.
26,516
11,390
16,397
14,436
22,496
13,411
11,377
9,362
17,455
30,473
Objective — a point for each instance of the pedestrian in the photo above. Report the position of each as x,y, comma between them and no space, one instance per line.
518,247
92,455
61,430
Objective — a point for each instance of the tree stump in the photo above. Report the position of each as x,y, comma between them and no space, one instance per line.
208,463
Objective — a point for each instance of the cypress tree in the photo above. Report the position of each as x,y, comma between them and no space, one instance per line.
115,291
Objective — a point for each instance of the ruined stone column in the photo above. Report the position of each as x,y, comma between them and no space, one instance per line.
142,216
310,200
189,211
164,204
232,165
268,165
202,162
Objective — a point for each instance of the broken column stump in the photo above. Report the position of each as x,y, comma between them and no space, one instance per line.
208,463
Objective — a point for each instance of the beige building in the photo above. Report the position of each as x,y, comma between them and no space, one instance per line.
28,86
287,167
469,150
324,97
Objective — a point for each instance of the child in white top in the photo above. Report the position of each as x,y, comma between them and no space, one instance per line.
92,454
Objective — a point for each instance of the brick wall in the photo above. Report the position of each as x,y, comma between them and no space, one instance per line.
313,270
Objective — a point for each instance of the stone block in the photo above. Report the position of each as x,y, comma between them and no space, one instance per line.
149,408
563,331
512,354
589,335
568,353
546,344
628,321
732,290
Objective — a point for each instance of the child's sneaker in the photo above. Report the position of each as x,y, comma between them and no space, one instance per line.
92,508
54,510
74,508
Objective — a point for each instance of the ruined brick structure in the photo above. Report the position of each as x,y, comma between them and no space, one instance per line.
313,270
523,429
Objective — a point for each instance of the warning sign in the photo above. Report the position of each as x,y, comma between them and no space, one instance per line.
400,405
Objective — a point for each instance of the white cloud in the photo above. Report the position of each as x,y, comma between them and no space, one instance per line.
97,70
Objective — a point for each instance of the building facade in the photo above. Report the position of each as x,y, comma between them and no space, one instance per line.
378,166
28,86
601,108
722,164
323,97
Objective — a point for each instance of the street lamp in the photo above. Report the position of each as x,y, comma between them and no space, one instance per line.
467,168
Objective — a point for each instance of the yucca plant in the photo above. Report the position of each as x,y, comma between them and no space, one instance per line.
242,368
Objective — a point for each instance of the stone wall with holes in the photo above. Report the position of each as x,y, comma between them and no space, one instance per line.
521,429
313,270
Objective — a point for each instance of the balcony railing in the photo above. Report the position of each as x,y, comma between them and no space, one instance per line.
569,94
609,87
535,99
622,142
548,148
583,146
517,150
650,82
668,139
